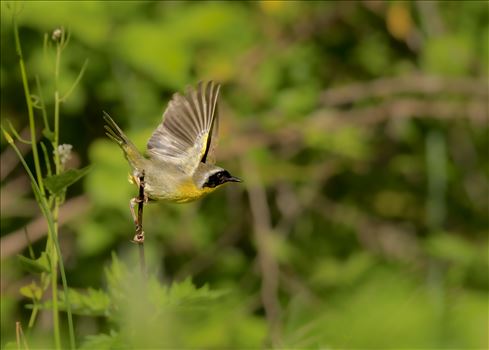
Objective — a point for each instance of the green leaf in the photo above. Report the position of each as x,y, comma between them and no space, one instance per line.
102,341
92,302
32,291
186,293
58,183
38,265
89,302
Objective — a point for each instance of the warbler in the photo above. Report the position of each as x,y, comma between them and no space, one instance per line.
180,162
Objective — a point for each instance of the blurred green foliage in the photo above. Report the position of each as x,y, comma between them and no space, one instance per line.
362,128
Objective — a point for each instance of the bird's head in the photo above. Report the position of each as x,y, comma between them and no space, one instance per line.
214,177
219,178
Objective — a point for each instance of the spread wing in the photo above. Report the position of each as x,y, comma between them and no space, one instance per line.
188,133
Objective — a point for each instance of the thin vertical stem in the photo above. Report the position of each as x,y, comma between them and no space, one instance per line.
34,313
58,168
24,340
55,142
29,244
71,329
30,109
17,334
46,157
54,297
57,165
57,102
43,105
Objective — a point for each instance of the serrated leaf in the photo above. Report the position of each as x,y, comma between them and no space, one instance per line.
32,291
102,341
186,293
90,303
38,265
56,184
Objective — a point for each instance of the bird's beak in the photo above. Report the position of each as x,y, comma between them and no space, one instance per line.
234,179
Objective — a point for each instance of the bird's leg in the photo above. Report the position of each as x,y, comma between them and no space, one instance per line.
138,220
140,200
132,204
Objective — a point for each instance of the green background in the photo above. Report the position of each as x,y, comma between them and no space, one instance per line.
360,130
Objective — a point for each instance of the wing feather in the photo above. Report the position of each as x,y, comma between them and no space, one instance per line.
210,153
188,133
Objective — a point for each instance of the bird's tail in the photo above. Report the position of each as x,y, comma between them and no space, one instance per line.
132,154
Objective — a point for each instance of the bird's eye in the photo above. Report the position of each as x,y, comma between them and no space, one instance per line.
217,179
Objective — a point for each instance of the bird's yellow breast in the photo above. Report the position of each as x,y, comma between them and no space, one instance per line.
188,192
185,192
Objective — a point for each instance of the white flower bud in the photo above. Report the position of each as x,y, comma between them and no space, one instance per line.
64,153
57,34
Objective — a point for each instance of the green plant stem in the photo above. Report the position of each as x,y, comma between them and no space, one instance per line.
17,334
51,230
39,185
30,109
57,165
16,134
48,165
36,308
43,105
77,81
32,319
29,244
54,262
54,297
55,143
57,102
20,336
